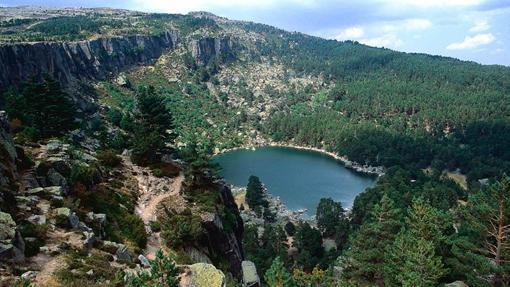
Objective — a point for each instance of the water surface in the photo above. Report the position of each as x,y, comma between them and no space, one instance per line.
299,177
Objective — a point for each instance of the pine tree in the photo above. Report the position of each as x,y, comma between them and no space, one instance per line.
308,241
255,193
481,247
412,259
328,216
365,259
277,275
154,130
42,106
412,262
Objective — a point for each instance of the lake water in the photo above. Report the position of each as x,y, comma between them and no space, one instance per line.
299,177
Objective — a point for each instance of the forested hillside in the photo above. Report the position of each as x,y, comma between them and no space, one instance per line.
107,145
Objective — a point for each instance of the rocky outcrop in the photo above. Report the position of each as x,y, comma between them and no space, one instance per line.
8,154
205,49
83,60
250,275
222,241
12,245
202,275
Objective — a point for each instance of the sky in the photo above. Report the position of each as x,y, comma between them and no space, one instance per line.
474,30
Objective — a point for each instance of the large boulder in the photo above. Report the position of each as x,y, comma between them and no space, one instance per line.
12,245
65,218
203,275
122,253
250,275
7,226
457,284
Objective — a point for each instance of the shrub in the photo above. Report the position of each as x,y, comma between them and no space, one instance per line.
163,272
165,169
290,228
181,229
103,274
109,158
87,175
30,230
155,226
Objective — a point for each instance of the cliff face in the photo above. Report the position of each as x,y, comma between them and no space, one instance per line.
83,60
8,154
225,242
205,49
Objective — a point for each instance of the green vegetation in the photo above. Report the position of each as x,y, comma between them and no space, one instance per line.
152,125
117,200
180,229
79,264
481,246
163,273
277,276
255,195
330,216
40,110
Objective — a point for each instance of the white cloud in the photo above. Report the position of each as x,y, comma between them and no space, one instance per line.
387,40
417,24
472,42
351,33
480,26
437,3
412,24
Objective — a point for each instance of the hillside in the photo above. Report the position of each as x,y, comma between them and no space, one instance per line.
113,107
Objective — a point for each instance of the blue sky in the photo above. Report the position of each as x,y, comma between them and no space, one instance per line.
476,30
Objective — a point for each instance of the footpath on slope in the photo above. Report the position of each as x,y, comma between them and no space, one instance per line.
153,190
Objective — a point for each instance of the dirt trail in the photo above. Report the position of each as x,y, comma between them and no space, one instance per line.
49,264
153,190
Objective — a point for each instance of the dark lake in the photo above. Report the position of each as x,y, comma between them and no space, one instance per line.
299,177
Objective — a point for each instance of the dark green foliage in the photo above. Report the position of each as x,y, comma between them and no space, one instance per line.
197,152
119,206
277,275
255,194
366,258
180,230
308,241
262,251
481,248
329,215
38,232
43,109
163,273
402,185
86,175
103,274
290,228
412,259
413,262
154,125
109,158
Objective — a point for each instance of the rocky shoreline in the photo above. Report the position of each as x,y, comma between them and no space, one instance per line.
366,169
283,213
